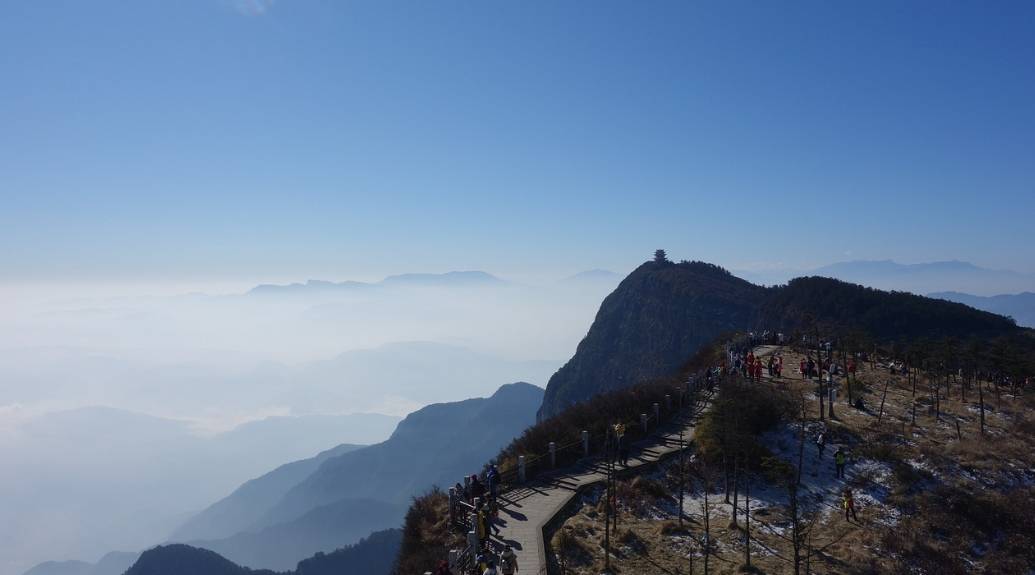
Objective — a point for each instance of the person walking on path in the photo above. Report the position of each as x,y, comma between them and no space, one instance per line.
492,479
477,488
482,519
849,504
491,569
619,433
508,561
839,462
821,444
493,510
443,568
803,367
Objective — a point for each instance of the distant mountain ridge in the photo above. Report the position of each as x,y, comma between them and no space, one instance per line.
447,279
114,563
324,528
433,446
372,555
921,278
1020,307
244,506
350,494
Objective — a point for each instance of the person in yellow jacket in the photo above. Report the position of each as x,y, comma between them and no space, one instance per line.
481,518
839,462
848,502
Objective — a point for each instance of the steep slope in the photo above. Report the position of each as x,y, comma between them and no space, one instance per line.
435,445
1020,307
280,546
247,503
656,318
373,555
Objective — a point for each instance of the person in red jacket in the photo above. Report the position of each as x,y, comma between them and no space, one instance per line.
802,367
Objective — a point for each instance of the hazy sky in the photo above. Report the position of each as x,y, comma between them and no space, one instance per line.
220,139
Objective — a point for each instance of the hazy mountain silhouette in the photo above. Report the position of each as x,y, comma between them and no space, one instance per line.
372,555
246,504
282,546
433,446
114,563
466,278
129,479
1020,307
927,277
351,494
448,279
61,568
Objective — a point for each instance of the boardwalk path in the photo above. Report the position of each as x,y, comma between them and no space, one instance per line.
525,511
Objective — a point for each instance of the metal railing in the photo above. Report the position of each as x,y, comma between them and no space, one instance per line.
586,447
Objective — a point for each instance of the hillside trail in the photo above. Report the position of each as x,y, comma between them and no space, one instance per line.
525,511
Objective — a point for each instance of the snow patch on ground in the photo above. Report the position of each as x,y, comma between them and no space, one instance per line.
870,480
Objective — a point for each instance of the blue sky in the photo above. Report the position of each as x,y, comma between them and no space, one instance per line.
214,139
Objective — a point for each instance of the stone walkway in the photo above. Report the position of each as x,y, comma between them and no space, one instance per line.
525,511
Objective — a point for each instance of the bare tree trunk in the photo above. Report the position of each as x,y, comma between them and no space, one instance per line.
747,520
736,482
883,397
821,393
981,400
706,548
801,442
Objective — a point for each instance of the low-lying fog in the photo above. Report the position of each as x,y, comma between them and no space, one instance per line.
122,415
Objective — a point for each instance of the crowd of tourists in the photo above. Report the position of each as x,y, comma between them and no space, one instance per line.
476,501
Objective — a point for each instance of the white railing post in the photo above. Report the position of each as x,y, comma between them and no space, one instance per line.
668,402
643,421
454,556
553,454
585,443
521,468
657,412
472,541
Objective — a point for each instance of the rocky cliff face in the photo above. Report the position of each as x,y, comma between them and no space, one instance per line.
656,319
664,312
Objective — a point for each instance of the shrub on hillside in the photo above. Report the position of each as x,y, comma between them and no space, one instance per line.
739,414
427,535
597,414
